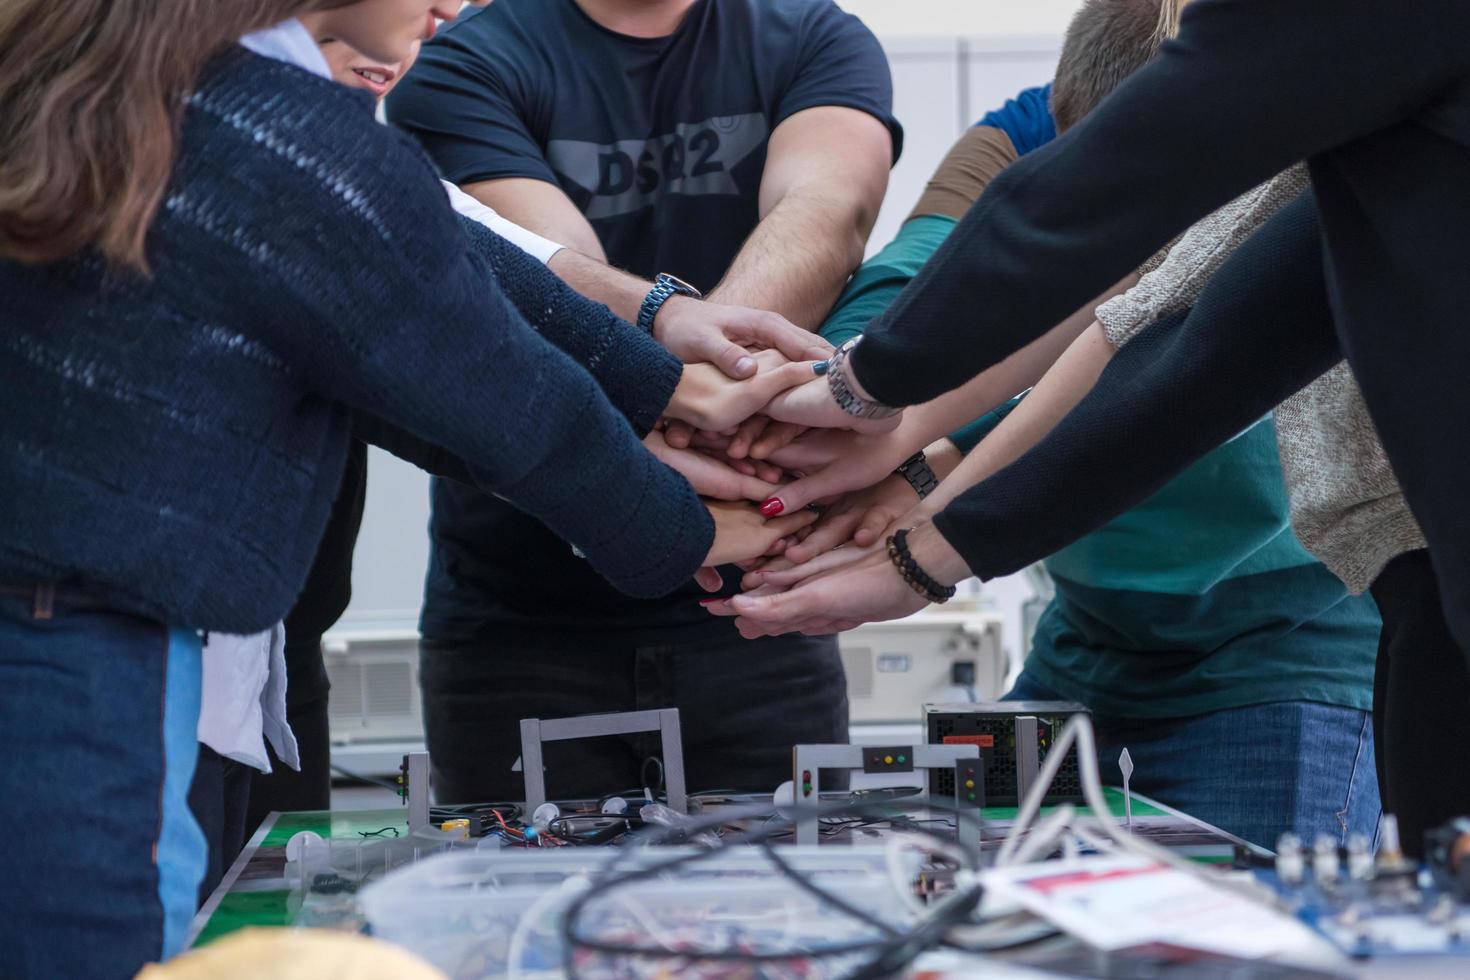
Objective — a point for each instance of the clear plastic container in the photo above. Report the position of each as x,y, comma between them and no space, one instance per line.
477,915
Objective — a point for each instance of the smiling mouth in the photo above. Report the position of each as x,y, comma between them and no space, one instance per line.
376,78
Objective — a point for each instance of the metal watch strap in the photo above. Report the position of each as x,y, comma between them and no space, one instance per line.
664,286
848,400
919,473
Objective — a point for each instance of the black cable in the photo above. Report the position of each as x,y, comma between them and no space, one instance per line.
890,954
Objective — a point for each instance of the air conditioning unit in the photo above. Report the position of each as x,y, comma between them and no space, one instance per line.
375,686
894,668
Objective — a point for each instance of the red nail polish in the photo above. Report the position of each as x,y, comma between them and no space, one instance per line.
772,507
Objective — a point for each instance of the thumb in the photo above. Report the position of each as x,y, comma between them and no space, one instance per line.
730,358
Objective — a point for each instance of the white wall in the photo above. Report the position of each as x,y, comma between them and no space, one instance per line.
893,19
943,81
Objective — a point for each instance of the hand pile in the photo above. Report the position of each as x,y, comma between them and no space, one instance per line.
814,551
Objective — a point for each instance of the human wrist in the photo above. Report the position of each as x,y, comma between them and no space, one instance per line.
936,555
926,572
670,313
851,398
665,287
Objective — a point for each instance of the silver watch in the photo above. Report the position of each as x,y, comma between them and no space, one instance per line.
848,400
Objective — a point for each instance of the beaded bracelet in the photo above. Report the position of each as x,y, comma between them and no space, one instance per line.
918,579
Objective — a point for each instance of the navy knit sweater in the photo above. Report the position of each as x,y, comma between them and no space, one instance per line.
174,442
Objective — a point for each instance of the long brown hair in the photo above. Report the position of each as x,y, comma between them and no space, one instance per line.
91,97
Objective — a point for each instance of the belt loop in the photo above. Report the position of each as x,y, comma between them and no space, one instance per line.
45,600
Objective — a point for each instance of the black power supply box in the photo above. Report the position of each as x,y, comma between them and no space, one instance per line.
1014,738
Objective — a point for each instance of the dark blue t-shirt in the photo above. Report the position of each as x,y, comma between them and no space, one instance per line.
661,142
1026,119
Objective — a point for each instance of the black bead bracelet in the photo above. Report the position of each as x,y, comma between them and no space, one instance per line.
918,579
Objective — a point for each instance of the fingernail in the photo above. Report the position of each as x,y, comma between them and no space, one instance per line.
772,507
706,602
745,364
820,367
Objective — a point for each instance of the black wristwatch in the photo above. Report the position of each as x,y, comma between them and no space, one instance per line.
920,475
664,286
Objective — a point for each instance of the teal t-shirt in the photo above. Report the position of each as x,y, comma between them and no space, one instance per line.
1198,600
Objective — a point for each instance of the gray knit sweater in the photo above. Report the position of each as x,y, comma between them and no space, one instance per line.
1346,505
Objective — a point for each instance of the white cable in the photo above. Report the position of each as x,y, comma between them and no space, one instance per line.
1039,842
1078,731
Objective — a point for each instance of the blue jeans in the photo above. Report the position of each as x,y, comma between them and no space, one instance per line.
1256,771
99,726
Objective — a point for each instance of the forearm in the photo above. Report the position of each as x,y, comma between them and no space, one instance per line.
1059,391
797,259
1197,126
637,374
1261,331
622,292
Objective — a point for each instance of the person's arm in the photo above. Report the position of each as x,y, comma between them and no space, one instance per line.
1261,330
469,115
1058,392
825,175
1248,88
638,375
860,460
410,329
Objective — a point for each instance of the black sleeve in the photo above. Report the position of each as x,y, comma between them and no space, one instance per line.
1247,89
471,100
432,459
841,63
1261,331
636,372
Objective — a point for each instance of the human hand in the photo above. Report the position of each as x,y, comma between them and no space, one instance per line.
812,405
863,517
698,331
761,435
741,533
835,463
707,399
846,594
710,476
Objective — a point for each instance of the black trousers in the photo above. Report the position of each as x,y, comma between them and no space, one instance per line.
742,705
1420,722
217,799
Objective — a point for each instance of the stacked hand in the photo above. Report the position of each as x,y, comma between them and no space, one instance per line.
839,590
739,427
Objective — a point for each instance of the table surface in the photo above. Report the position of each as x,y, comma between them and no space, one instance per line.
255,892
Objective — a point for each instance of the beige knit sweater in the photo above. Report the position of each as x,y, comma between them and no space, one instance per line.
1346,505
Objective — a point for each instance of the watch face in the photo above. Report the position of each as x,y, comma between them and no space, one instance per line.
679,285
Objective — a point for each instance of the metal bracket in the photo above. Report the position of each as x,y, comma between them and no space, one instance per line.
808,761
535,733
416,789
